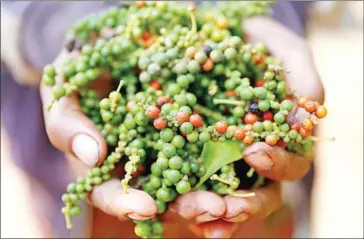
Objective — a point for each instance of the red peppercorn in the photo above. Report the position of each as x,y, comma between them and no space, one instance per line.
160,123
155,84
153,111
221,127
196,121
268,115
310,106
258,59
146,35
239,134
305,133
162,100
231,93
250,118
295,126
182,117
281,144
259,83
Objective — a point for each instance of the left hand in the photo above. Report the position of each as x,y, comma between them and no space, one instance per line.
272,162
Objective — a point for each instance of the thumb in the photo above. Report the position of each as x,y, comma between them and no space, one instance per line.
68,128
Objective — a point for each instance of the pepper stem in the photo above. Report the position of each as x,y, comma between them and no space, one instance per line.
209,113
49,107
113,103
132,168
250,173
193,18
241,195
217,178
67,216
229,102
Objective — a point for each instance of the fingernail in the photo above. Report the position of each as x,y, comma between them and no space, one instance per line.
260,159
86,149
135,216
205,217
240,218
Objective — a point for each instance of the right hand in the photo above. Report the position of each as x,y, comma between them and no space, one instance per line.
73,133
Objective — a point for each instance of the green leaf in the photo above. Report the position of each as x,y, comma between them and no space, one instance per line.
215,155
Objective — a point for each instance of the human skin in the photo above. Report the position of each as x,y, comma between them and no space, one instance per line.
206,213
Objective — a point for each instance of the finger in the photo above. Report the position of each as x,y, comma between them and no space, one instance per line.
276,163
70,131
135,205
218,229
293,50
266,200
201,206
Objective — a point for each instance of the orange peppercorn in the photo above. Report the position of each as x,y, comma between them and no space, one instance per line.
302,101
305,133
259,83
231,93
155,84
239,134
248,139
307,124
321,112
271,139
221,127
310,106
250,118
140,4
208,65
160,123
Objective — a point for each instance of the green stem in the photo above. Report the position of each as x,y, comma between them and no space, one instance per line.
193,20
67,216
134,159
113,103
49,107
250,173
230,102
221,180
241,195
209,113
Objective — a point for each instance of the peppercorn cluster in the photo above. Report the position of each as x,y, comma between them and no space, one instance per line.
183,79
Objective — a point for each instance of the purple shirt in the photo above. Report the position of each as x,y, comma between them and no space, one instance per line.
44,25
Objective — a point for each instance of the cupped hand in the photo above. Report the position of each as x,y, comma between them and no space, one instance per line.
272,162
73,133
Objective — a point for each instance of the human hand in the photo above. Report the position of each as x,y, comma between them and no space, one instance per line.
73,133
272,162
